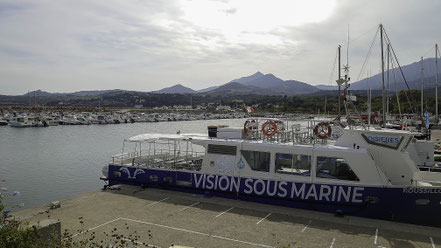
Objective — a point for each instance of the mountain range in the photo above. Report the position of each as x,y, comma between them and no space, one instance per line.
276,86
256,84
268,84
412,73
40,93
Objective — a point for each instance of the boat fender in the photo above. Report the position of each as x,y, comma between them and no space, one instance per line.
323,130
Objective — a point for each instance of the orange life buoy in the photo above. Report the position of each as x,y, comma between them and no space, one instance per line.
245,126
269,128
323,130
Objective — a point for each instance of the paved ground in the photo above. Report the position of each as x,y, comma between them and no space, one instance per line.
161,218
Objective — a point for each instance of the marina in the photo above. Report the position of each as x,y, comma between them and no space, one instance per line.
51,118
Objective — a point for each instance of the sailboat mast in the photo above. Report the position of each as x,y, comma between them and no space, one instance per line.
436,81
339,84
388,82
382,75
422,90
369,107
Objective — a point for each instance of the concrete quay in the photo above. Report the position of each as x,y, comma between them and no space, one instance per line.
162,218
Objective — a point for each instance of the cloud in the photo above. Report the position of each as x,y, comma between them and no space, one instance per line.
62,46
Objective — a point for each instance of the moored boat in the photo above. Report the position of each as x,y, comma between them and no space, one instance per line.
22,121
360,172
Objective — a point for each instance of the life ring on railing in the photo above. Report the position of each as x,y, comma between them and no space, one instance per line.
250,125
280,125
323,130
269,128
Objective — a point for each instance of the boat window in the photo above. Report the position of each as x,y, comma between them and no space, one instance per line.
334,168
222,149
409,139
293,164
258,161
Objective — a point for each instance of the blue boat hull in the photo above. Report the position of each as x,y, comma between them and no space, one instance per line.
410,205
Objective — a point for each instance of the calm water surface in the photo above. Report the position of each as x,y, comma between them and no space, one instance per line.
53,163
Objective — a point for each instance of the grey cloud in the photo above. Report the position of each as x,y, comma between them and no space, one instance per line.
80,45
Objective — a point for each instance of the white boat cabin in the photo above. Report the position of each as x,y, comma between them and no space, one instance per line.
285,152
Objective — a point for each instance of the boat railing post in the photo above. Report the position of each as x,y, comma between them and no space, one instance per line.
174,154
186,152
122,152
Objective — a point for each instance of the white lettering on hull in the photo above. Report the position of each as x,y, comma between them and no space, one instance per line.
422,190
282,189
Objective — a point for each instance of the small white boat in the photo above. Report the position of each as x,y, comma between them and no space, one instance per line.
22,121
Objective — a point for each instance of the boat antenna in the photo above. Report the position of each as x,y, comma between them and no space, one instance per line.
346,68
347,52
340,81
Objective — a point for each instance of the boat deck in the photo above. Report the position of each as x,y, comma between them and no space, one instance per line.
164,218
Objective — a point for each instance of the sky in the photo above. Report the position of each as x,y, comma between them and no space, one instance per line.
145,45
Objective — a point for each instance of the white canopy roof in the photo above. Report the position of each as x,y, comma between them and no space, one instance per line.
162,136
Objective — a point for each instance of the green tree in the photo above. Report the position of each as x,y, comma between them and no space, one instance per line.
13,234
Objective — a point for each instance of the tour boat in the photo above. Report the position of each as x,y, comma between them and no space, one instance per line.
346,171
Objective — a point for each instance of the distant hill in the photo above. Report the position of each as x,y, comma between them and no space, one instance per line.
175,89
207,89
235,88
266,81
93,92
247,79
326,87
38,93
293,87
276,85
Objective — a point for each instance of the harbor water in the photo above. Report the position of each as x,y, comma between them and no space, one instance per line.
41,165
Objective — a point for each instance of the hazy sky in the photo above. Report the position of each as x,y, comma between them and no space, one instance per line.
65,46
